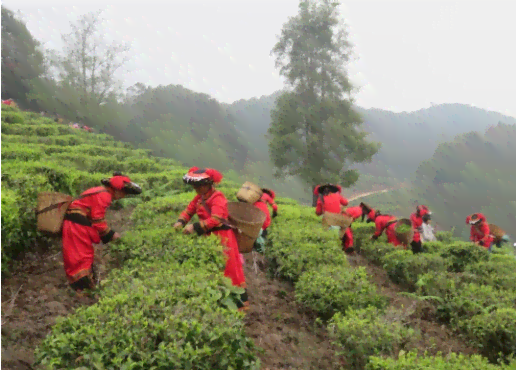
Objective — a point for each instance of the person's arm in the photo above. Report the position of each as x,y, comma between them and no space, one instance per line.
98,214
343,201
485,231
319,207
189,211
379,230
217,208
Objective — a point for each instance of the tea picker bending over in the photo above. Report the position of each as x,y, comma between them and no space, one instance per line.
84,225
210,205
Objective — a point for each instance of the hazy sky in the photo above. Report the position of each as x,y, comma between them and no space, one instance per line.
411,53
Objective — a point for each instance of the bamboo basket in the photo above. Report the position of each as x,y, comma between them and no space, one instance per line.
496,232
52,220
249,193
337,219
248,221
404,238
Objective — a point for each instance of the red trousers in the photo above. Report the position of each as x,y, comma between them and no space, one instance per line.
234,269
78,252
347,240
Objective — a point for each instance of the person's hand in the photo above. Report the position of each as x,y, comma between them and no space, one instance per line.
177,225
116,236
188,230
274,214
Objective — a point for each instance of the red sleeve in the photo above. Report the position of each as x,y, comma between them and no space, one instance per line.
319,207
485,231
379,228
189,211
218,207
98,213
472,234
270,201
343,201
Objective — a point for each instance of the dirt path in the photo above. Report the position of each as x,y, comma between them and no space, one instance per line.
363,195
36,294
288,337
417,314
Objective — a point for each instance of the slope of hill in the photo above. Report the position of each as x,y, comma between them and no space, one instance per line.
165,304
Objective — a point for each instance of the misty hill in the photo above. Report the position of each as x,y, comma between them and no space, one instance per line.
407,138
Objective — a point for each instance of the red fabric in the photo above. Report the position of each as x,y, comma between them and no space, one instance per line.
332,203
371,215
417,223
270,200
118,182
354,212
217,203
380,223
7,102
272,194
481,232
348,238
262,206
78,240
316,190
210,173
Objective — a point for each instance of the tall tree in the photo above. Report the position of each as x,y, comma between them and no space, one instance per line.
88,64
22,59
314,130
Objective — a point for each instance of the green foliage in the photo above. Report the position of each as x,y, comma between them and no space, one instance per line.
461,254
452,361
332,289
375,252
493,333
367,332
405,268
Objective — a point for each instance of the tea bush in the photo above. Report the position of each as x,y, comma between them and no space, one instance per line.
452,361
461,254
375,252
494,333
332,289
367,332
404,267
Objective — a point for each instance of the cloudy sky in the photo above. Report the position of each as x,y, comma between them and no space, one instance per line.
411,54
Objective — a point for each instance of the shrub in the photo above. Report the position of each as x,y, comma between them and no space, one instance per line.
497,272
445,237
461,254
164,317
332,289
404,267
433,246
411,361
366,332
375,252
493,333
12,117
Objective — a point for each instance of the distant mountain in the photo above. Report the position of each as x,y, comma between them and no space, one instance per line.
407,138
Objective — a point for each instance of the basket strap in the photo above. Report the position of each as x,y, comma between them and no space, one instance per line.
224,222
56,205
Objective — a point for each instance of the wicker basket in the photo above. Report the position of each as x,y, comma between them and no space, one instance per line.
496,232
249,193
336,219
51,221
249,221
404,238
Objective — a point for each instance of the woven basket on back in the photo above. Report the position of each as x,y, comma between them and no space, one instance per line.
52,220
404,238
497,232
249,220
336,219
249,193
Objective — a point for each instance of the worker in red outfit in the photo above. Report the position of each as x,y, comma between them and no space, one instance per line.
210,205
330,200
84,225
384,222
422,214
268,197
480,233
355,213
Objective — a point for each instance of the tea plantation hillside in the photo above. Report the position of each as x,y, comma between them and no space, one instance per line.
168,306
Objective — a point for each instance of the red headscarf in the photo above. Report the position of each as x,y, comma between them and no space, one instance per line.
118,182
195,174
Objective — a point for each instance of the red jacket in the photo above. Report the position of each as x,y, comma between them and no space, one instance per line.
332,203
417,224
354,212
262,206
381,223
268,199
481,233
94,207
216,203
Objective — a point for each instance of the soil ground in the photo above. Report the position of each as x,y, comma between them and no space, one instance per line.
37,293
